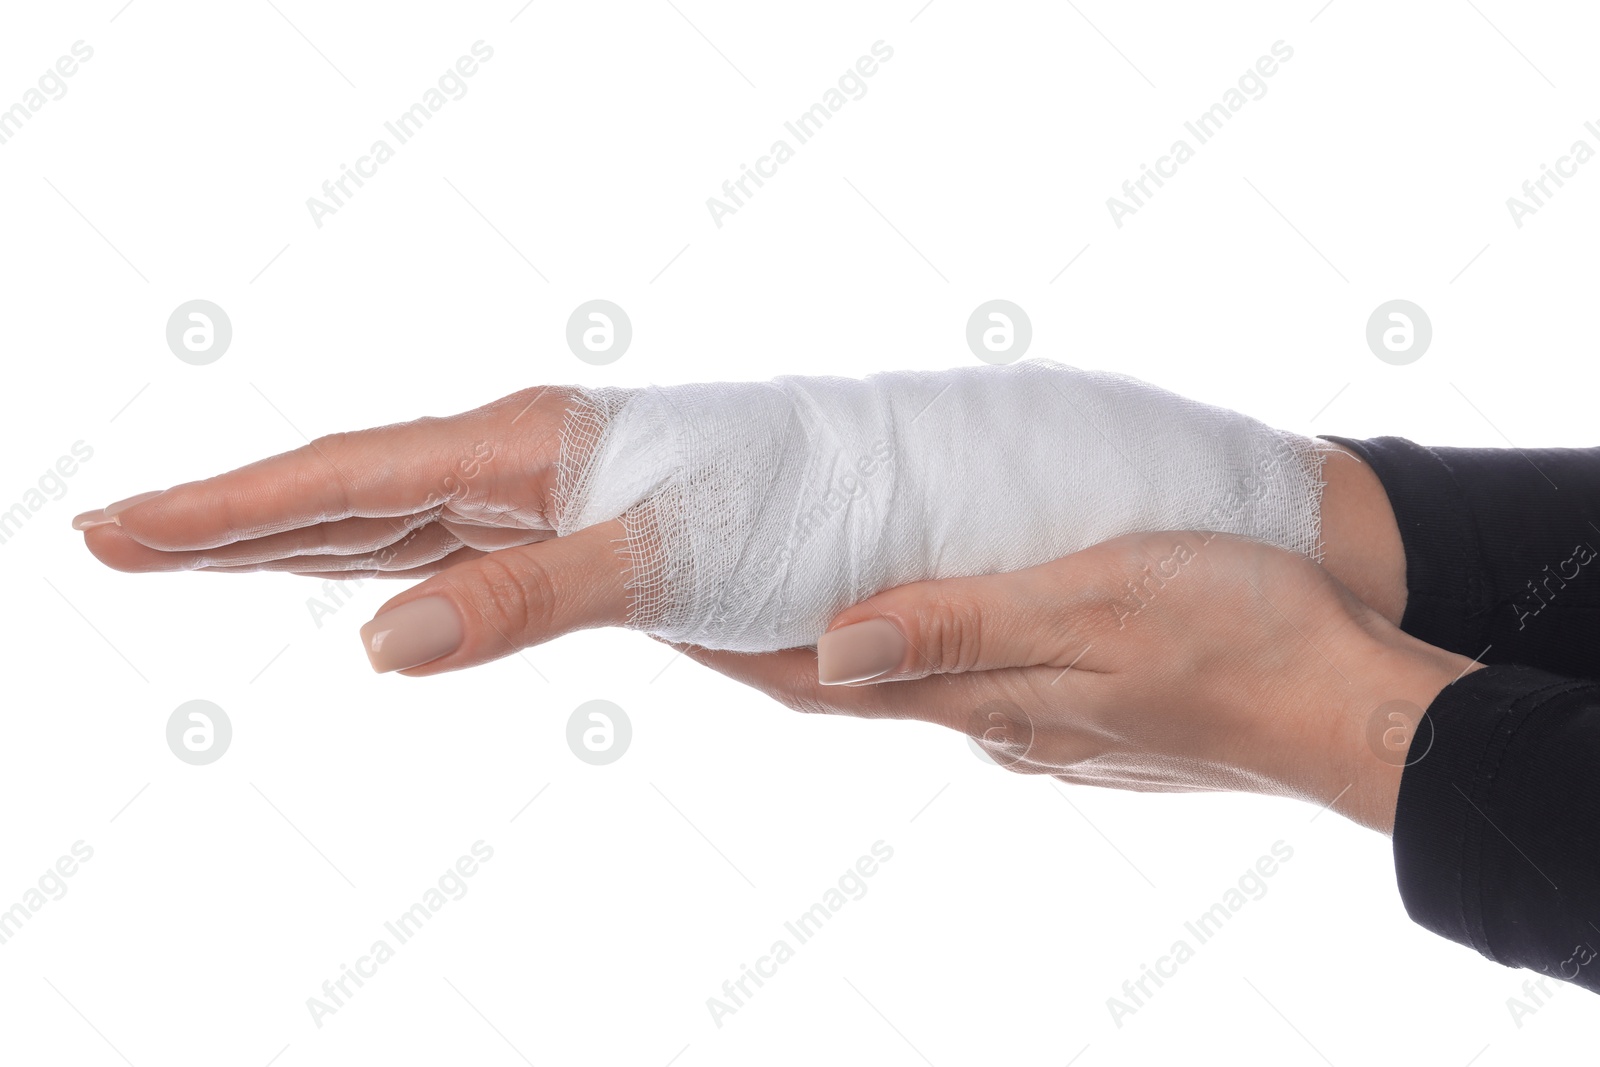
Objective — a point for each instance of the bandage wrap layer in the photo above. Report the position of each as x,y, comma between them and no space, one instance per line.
756,512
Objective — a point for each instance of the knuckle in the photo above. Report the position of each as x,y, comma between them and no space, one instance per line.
329,442
954,628
519,597
333,447
335,451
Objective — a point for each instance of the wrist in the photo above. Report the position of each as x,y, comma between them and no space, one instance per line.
1361,540
1377,729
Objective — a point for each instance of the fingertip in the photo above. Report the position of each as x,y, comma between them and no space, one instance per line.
114,547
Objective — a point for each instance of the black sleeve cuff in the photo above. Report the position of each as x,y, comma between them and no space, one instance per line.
1497,828
1501,549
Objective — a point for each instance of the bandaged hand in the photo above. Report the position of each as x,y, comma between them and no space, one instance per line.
755,512
734,516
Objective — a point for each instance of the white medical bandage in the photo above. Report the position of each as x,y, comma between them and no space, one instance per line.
756,512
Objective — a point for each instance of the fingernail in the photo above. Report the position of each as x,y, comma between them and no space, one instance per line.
110,511
412,634
859,652
90,519
107,515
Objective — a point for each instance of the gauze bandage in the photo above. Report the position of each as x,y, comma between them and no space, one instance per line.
756,512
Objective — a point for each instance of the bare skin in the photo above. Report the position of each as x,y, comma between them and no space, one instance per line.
1361,541
1212,687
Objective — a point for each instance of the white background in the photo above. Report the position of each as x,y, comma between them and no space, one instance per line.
977,165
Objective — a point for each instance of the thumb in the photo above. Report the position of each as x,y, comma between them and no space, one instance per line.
496,604
948,626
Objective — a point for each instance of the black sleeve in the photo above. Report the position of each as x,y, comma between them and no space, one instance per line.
1500,547
1497,830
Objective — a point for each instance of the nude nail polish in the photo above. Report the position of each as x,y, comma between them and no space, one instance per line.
110,511
90,519
412,634
859,652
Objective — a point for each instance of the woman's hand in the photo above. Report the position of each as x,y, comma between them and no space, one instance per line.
1159,662
466,502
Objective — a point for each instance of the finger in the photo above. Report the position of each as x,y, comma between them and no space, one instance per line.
427,570
116,548
790,677
1129,785
492,538
331,478
956,625
386,471
418,548
488,607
